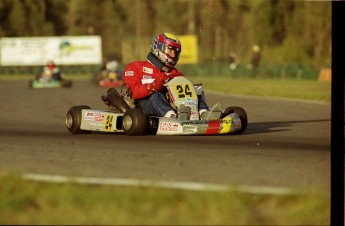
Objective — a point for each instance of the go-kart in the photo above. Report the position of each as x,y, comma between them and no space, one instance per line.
108,79
49,83
124,115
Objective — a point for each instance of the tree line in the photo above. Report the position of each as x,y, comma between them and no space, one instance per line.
287,31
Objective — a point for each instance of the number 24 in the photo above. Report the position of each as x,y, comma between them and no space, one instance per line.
183,92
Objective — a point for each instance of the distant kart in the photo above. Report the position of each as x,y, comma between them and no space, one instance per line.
108,83
124,115
109,79
49,83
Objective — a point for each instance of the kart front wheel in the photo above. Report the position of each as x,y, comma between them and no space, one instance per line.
241,113
30,84
134,122
73,119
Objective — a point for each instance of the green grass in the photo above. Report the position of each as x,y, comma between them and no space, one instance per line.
282,88
30,202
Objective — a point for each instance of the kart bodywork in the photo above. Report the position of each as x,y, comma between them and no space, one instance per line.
124,116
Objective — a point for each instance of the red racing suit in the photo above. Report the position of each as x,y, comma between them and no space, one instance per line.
140,76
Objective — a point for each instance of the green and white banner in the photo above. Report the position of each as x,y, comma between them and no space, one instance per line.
64,50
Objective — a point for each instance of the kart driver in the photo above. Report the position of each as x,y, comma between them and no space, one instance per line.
50,71
111,71
145,79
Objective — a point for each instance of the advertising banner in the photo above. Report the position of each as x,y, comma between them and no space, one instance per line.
189,54
64,50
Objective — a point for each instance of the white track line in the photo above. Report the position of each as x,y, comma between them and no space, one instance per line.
163,184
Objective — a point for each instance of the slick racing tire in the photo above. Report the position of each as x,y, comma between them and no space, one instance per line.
134,122
73,119
66,83
241,113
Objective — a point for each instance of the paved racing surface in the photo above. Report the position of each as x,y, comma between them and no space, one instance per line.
286,144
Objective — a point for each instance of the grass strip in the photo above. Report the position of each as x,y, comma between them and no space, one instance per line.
33,202
281,88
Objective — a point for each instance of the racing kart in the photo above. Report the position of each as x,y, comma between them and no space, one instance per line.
108,79
124,115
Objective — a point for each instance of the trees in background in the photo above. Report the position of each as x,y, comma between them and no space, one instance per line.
286,31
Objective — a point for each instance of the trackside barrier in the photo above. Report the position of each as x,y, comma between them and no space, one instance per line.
289,71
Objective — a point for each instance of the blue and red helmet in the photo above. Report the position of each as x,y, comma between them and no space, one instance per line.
167,48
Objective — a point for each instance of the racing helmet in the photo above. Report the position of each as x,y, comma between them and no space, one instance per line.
167,48
51,65
111,66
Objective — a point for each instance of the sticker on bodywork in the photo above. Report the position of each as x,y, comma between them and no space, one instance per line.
109,122
226,125
89,115
184,91
168,126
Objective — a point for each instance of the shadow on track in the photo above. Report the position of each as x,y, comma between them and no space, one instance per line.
271,127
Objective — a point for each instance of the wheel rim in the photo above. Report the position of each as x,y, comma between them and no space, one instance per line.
69,120
127,122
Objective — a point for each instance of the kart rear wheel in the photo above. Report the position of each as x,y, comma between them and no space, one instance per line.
241,113
134,122
66,83
73,119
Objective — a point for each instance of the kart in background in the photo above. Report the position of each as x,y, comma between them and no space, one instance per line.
125,116
109,79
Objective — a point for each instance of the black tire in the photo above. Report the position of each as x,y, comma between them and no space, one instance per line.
73,119
241,113
66,83
30,83
134,122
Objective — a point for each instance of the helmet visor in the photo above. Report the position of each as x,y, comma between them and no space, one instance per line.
171,51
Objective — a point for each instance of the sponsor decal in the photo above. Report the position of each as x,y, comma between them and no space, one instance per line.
109,122
168,126
213,126
99,117
147,70
226,125
209,122
89,115
194,113
129,73
147,79
96,124
190,103
195,122
171,96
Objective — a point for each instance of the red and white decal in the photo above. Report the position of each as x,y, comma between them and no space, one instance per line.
89,115
147,70
129,73
99,117
168,126
213,127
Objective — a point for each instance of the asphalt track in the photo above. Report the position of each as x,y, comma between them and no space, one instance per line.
286,144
